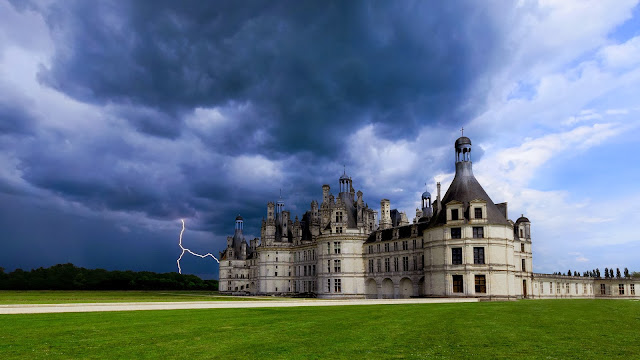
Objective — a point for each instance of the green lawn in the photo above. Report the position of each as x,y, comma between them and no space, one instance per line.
62,296
547,329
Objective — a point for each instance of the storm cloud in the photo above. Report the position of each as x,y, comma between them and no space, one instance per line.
139,113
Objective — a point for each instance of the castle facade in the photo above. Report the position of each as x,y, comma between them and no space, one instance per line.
459,245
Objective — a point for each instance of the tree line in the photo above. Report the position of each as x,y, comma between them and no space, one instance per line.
608,273
71,277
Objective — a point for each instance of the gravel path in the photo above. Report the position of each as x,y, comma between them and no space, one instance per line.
60,308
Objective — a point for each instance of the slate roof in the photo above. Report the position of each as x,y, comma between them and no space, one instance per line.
465,188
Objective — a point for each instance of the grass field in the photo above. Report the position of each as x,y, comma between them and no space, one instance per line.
539,329
62,297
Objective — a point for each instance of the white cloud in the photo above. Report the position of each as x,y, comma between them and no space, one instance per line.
623,56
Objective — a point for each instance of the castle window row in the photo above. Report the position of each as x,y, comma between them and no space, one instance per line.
455,214
478,256
306,255
307,270
387,246
480,282
477,231
566,288
396,261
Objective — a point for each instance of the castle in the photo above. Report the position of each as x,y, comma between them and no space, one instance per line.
458,245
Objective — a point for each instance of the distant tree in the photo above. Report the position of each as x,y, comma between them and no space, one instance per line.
606,273
597,272
70,277
569,272
618,275
626,272
575,273
635,274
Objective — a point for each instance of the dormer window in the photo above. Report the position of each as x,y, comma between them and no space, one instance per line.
454,214
478,211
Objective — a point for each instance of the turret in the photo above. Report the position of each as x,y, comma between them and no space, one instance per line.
427,211
325,193
270,211
385,214
239,225
315,216
466,200
522,228
438,202
463,149
279,207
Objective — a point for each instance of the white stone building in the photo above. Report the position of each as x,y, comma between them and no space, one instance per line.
460,245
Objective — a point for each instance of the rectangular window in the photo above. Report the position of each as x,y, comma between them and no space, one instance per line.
456,256
522,247
524,267
603,289
395,246
378,247
422,262
477,212
405,263
395,264
339,230
456,233
415,263
478,232
405,245
336,266
414,244
481,284
478,255
276,274
314,270
337,285
305,270
454,214
550,288
328,285
621,289
632,288
387,266
336,247
386,247
370,265
379,265
328,266
329,248
457,284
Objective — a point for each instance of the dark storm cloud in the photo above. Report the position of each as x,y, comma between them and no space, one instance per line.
180,92
314,71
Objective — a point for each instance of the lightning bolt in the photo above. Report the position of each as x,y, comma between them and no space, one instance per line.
185,250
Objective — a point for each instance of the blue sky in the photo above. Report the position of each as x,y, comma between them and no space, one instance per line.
120,118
